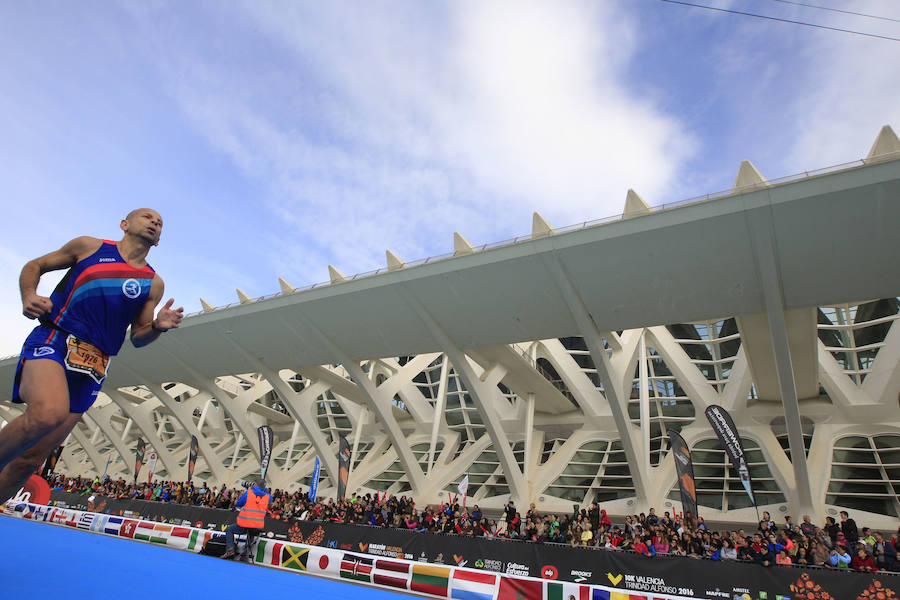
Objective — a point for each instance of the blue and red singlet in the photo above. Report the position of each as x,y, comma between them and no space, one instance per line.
93,306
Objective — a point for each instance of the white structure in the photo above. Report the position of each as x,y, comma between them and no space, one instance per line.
550,368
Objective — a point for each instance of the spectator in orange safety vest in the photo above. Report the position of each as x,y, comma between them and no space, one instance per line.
250,520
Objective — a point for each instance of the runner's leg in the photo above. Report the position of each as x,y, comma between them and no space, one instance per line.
45,391
17,472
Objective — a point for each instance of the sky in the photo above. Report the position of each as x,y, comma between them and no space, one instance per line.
276,138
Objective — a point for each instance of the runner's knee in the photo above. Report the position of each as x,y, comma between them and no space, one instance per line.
42,422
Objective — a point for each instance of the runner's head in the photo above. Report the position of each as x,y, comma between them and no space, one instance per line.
144,223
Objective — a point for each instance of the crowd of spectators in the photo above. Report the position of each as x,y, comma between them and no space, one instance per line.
833,545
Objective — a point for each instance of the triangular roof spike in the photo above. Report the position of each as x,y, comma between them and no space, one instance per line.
393,262
286,288
242,296
461,245
540,227
748,175
634,205
335,275
886,143
207,307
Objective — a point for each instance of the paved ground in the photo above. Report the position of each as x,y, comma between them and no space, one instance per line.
44,561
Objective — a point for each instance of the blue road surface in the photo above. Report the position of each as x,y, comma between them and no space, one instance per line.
47,561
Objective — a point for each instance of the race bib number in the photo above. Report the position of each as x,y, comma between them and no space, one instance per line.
86,358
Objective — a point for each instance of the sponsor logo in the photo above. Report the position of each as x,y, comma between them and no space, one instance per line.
332,544
493,565
131,288
458,558
107,260
643,583
479,563
346,546
579,576
382,550
614,579
549,572
440,557
43,351
517,569
716,593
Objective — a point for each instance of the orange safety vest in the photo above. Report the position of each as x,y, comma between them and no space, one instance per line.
253,513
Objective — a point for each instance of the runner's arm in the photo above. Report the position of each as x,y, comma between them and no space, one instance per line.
35,306
145,329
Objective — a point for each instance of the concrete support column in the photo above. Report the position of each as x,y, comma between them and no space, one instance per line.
485,400
613,383
761,227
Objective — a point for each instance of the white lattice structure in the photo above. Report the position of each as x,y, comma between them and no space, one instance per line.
549,369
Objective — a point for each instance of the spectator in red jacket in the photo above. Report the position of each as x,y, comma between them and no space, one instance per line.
862,561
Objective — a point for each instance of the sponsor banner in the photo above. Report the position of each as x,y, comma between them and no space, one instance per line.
723,425
151,465
50,464
684,467
192,456
314,480
266,442
138,458
343,466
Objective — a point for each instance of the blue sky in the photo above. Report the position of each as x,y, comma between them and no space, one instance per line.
276,138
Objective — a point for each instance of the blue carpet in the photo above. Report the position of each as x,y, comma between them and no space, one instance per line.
41,560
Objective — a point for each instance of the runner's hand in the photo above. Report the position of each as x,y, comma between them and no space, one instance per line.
36,306
169,318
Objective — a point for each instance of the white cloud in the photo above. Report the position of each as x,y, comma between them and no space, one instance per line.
849,91
393,128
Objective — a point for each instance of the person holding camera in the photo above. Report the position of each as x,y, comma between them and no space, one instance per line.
250,520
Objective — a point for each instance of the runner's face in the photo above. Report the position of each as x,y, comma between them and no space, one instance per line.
146,224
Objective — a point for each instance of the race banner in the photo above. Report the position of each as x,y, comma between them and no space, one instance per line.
151,465
684,467
138,458
314,482
192,457
723,425
266,439
343,467
50,463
